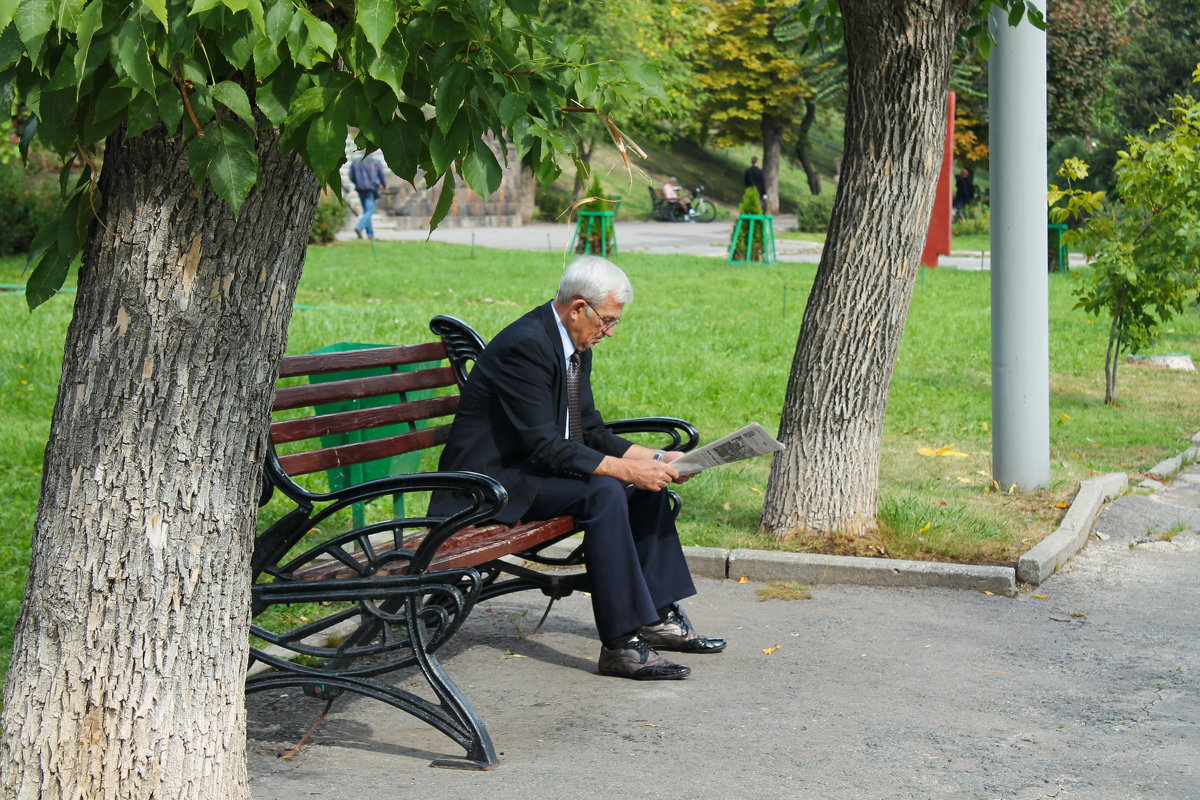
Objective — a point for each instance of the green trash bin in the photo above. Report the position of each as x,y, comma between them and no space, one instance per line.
354,474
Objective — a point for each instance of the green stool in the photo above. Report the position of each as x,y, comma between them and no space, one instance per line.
594,230
1058,248
759,228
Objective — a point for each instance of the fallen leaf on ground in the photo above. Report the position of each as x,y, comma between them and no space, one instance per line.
946,450
769,650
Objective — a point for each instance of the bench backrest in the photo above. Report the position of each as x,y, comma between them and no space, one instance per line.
417,390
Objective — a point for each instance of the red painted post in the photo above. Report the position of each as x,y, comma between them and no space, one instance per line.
937,240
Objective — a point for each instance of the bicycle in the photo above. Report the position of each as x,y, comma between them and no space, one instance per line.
701,209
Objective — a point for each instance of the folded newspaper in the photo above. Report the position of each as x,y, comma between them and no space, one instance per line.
752,440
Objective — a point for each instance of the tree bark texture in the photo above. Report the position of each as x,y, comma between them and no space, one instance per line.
810,172
772,140
128,666
832,423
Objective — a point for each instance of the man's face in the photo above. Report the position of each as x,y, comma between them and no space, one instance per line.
587,325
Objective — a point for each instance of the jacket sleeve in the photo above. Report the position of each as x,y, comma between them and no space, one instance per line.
528,392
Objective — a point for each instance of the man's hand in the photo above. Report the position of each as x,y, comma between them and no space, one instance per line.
644,473
674,455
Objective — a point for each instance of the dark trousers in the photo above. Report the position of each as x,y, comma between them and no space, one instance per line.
635,563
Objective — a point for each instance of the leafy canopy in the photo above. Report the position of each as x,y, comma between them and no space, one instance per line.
430,83
823,19
749,73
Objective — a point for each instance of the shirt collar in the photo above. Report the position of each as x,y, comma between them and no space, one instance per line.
567,345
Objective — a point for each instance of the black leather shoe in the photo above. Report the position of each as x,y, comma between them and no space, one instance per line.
677,634
637,660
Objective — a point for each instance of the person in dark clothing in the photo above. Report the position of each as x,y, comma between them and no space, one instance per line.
964,191
753,176
369,180
528,419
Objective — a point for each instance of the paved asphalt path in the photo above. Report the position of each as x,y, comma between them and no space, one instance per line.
703,239
1085,690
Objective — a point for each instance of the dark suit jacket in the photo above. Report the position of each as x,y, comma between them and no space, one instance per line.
513,414
753,176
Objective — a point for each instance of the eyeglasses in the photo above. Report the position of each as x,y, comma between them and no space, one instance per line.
606,324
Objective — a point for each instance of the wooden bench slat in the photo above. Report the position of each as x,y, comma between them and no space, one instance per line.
295,430
321,363
470,547
313,394
360,452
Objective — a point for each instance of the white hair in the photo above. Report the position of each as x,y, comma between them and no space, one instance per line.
594,278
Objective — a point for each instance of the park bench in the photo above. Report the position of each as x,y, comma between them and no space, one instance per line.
389,592
663,209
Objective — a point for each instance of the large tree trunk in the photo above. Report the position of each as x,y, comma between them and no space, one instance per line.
772,141
150,486
899,57
810,172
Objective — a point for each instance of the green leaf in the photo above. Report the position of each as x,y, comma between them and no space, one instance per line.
255,7
512,108
279,19
56,249
377,18
321,33
481,169
266,58
443,204
233,97
11,46
311,101
143,114
529,7
170,107
157,7
445,150
274,97
89,23
7,9
32,19
133,54
589,77
237,44
200,6
50,272
401,146
450,92
389,66
225,155
302,45
416,33
327,140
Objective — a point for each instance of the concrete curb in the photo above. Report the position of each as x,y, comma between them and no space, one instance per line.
817,568
1072,534
1032,568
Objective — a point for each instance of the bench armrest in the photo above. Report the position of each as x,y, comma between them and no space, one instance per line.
682,434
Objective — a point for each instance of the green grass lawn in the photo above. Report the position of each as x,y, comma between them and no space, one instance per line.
713,344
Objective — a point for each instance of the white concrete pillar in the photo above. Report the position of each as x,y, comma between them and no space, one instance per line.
1020,295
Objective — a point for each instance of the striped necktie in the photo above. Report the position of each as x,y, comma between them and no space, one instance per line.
574,420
